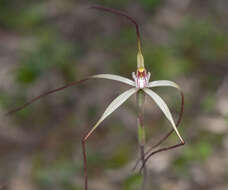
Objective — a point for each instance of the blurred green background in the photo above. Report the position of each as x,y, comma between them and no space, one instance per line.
46,44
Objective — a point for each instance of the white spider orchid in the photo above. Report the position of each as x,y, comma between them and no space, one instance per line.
140,86
141,82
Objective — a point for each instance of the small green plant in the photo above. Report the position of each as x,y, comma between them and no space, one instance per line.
140,86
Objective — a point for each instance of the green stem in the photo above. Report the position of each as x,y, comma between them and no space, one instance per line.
140,98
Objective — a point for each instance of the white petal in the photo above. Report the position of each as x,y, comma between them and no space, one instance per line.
116,78
163,83
163,106
117,102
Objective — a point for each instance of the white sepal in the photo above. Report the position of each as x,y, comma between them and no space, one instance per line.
163,106
116,78
163,83
117,102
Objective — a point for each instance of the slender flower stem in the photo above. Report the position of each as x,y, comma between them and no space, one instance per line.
140,98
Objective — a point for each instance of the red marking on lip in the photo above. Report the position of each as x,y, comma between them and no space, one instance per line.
141,74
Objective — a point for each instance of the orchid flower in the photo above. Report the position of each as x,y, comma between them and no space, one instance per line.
140,85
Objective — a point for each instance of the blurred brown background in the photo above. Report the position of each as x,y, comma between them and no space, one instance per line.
47,43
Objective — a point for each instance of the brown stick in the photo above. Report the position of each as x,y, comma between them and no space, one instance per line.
85,163
84,139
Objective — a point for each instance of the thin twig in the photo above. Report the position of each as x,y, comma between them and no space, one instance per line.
45,94
121,13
